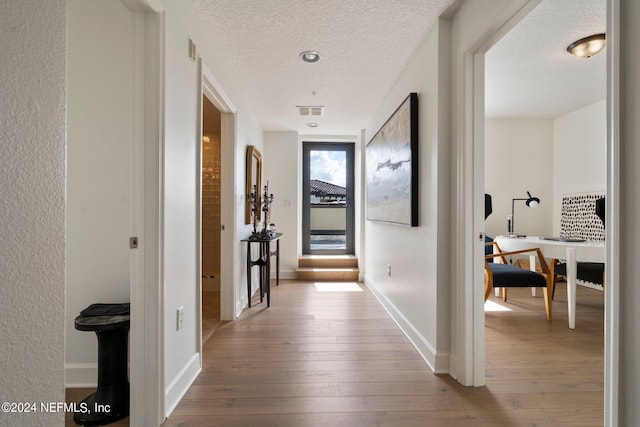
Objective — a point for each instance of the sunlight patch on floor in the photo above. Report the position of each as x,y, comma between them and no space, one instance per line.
337,287
494,306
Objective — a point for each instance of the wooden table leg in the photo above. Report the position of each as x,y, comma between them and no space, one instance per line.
571,286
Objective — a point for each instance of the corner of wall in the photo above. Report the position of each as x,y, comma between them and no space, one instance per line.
80,375
437,361
177,388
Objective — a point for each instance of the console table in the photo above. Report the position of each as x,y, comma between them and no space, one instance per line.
569,251
264,264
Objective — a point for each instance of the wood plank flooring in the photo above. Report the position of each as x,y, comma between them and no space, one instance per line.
336,358
210,314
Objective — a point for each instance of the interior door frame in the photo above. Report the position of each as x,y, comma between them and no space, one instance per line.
469,116
613,229
468,130
146,352
210,88
147,314
349,148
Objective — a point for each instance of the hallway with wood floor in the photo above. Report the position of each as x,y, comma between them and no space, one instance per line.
328,355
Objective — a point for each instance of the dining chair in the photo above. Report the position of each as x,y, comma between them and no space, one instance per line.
504,275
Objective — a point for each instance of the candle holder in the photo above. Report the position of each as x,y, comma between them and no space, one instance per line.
267,199
257,205
254,204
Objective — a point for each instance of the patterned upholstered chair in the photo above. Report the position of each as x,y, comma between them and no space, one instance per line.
504,275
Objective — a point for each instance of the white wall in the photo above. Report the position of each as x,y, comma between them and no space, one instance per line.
579,154
550,158
331,217
247,131
99,140
416,293
281,167
179,211
431,296
519,157
182,136
32,206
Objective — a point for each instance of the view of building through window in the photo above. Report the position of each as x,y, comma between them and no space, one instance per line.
329,166
328,171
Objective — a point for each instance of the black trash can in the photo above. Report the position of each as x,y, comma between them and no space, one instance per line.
110,402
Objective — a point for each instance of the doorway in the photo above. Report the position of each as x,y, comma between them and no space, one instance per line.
327,198
211,210
545,138
229,244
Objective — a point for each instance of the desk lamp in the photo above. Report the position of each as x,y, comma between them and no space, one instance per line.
531,202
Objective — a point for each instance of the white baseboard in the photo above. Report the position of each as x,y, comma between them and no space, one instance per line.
438,362
284,274
80,375
181,383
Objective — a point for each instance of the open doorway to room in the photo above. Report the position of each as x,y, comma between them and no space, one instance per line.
211,205
545,132
214,98
327,198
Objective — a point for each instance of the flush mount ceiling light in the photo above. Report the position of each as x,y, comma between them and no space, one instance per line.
312,125
588,46
310,56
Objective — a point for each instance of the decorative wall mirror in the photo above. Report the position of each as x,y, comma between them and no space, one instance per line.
254,177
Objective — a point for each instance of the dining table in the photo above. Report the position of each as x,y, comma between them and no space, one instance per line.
569,250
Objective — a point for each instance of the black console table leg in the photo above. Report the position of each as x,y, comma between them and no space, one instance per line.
268,274
249,273
278,262
263,261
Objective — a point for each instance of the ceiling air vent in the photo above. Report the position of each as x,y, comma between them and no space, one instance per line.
310,111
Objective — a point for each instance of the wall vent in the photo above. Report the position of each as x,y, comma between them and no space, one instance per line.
310,111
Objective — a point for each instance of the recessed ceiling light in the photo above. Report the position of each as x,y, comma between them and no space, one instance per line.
310,56
588,46
312,125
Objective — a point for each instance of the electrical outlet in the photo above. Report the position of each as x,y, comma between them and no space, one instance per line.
389,270
180,318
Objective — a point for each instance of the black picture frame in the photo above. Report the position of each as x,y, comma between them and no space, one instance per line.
392,167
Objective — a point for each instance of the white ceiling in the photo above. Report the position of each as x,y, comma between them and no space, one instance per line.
530,74
364,46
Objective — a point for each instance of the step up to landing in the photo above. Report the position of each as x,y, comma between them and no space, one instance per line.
331,261
328,268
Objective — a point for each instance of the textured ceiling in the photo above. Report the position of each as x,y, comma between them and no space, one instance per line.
529,72
365,45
